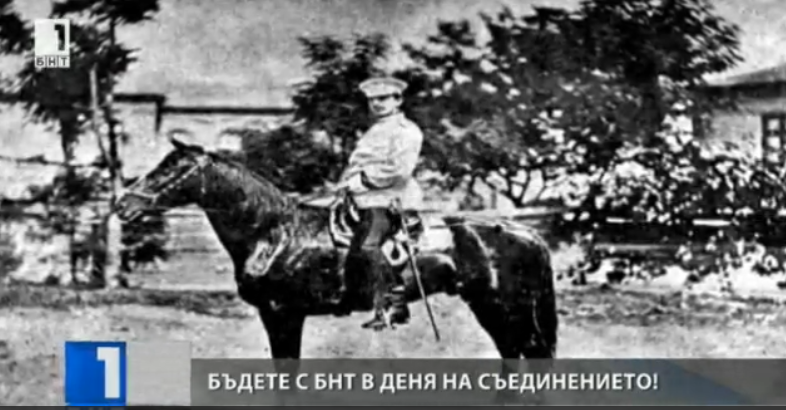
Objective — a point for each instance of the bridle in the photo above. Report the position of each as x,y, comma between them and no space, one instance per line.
202,161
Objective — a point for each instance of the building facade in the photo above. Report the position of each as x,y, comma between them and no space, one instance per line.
755,121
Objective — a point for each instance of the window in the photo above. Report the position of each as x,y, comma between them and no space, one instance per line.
773,127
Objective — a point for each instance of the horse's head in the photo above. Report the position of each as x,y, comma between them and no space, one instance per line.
176,181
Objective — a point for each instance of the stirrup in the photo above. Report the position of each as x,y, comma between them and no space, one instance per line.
378,322
398,309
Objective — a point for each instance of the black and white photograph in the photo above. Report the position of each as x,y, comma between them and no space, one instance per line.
387,179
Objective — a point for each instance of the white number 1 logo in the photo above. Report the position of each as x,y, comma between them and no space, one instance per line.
111,358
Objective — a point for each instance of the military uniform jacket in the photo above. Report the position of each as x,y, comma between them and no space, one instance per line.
385,158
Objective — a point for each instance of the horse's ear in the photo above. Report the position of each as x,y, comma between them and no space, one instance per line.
177,143
180,145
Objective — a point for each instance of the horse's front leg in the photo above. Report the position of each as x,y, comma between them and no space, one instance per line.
284,327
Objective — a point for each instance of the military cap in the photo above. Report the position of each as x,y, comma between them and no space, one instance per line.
376,87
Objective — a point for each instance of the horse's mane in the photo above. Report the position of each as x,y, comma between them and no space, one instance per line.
266,195
260,174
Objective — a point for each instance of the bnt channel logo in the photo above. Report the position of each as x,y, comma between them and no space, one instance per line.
95,374
52,39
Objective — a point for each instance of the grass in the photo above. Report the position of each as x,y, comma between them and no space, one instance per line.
595,323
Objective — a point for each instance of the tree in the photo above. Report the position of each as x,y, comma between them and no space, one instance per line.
114,57
64,95
69,97
661,48
557,92
289,157
14,35
517,109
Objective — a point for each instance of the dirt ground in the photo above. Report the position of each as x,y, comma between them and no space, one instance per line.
188,302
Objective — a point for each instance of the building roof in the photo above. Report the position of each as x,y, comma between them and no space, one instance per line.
776,74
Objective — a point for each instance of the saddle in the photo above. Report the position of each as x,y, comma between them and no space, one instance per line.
345,217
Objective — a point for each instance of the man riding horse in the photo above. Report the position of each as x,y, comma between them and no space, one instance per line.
379,173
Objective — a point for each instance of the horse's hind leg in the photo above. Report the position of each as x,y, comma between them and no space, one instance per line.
506,331
524,329
493,317
543,324
540,344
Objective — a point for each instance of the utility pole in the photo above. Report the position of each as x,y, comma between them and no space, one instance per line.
113,226
97,277
107,257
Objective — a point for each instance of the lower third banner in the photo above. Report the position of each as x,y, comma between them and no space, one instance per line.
484,382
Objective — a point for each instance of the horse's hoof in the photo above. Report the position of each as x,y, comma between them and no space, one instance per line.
377,327
341,308
400,317
375,324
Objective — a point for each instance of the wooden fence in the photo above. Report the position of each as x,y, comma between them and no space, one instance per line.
190,231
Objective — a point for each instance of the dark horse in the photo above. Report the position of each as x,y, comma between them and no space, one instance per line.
285,264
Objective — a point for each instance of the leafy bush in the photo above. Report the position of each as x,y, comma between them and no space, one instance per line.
290,158
144,239
65,193
662,191
9,259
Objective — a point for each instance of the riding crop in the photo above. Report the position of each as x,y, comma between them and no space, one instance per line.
413,264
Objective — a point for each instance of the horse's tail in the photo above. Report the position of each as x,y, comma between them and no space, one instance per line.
544,303
545,313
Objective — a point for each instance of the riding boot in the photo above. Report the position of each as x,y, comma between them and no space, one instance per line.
381,302
393,311
399,310
339,298
380,320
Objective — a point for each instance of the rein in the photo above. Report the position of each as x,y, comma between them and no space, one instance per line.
202,163
173,183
